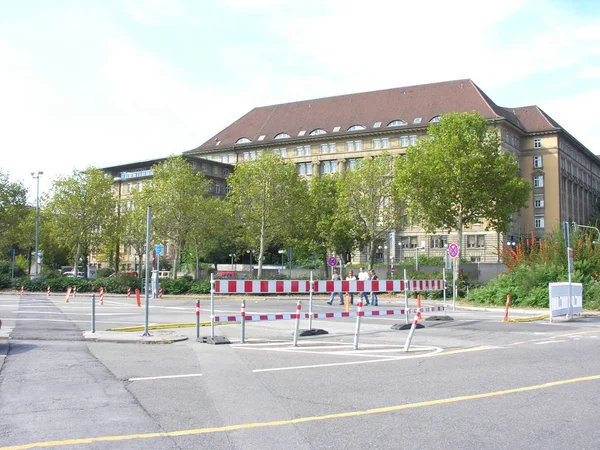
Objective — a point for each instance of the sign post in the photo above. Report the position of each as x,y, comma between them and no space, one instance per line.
453,251
332,262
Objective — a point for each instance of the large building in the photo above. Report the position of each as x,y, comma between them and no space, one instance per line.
331,134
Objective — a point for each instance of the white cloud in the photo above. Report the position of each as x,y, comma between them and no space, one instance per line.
152,12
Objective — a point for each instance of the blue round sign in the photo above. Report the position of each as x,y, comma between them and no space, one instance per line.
332,261
453,250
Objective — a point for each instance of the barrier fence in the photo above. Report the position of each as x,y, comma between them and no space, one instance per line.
320,287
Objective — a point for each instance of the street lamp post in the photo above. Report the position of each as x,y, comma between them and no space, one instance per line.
511,244
251,268
231,255
281,252
37,220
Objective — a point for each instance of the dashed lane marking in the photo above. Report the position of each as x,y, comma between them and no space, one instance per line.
164,377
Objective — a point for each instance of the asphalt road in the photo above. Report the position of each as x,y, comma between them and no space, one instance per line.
470,383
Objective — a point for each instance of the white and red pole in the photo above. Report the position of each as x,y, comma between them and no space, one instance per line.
128,292
412,329
298,309
101,295
197,319
359,314
243,321
160,293
48,291
74,291
22,289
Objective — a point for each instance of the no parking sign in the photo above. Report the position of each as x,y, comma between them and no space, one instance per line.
332,261
453,250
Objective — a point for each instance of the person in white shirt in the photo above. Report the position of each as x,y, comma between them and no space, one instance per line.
363,276
351,277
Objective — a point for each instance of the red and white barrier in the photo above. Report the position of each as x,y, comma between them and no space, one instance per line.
22,289
159,292
128,292
101,295
48,291
74,290
303,286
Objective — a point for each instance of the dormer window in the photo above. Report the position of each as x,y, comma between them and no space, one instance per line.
282,136
356,128
242,140
317,132
397,123
417,120
436,119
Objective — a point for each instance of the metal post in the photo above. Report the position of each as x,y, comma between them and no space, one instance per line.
12,277
417,259
453,284
93,313
197,319
37,219
444,281
147,281
405,296
359,314
212,305
310,301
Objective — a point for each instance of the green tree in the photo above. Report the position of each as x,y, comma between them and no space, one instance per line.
80,209
177,195
267,197
460,176
13,212
365,196
134,225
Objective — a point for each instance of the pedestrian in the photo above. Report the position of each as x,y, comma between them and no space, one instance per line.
351,277
374,299
336,277
363,276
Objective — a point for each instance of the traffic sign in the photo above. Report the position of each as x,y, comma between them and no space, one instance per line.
453,250
158,249
332,261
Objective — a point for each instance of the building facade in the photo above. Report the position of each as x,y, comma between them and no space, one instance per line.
333,134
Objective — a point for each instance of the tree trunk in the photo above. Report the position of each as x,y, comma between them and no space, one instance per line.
77,253
175,261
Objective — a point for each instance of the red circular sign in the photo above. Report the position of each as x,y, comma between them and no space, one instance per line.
332,261
453,250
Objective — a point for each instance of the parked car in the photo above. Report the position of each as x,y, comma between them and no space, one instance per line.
71,274
129,273
225,275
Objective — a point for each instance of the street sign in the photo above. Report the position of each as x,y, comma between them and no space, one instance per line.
332,261
158,249
453,250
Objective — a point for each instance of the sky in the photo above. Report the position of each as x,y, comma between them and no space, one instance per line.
101,83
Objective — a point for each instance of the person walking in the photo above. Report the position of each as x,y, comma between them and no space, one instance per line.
374,299
351,277
363,276
336,277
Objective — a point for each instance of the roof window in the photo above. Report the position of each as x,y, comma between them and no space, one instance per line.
376,124
282,136
317,132
356,128
396,123
336,129
262,137
302,133
242,140
417,120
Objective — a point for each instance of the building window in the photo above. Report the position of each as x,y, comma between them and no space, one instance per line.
539,221
282,136
130,187
358,146
438,241
396,123
417,120
243,140
537,143
413,140
385,143
217,188
475,259
376,124
332,148
354,163
329,167
350,146
280,151
436,119
537,162
305,168
376,144
538,201
471,241
303,150
228,189
336,129
317,132
538,181
140,186
356,128
404,141
480,241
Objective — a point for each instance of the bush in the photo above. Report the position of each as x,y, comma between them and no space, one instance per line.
200,287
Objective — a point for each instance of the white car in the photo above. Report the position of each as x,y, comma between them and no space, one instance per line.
70,274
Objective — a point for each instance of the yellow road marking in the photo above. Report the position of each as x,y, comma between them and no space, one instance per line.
465,350
301,419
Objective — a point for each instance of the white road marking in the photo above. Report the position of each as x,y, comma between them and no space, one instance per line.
165,377
550,342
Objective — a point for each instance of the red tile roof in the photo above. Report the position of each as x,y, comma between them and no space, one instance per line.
406,103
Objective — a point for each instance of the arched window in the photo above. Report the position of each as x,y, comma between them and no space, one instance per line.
243,140
436,119
282,136
396,123
356,128
317,132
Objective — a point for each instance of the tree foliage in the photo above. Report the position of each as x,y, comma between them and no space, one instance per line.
365,196
460,176
80,210
267,197
13,212
177,195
